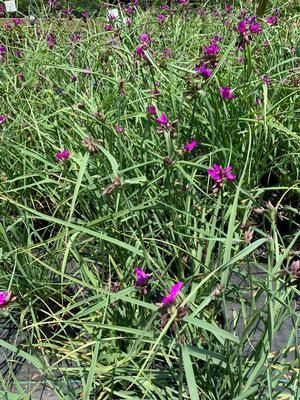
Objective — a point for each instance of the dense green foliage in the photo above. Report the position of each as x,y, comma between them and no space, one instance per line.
73,230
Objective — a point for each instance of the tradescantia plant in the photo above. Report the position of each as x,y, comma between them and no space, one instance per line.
149,196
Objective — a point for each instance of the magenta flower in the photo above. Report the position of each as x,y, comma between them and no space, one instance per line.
118,129
8,26
163,120
175,289
255,28
271,20
144,38
165,7
212,49
220,175
2,49
160,17
63,155
226,93
2,119
151,109
6,298
141,277
108,27
16,21
68,11
139,51
266,80
206,72
85,14
242,28
228,8
75,37
190,146
86,71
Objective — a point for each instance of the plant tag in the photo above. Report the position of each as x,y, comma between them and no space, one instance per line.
113,14
10,6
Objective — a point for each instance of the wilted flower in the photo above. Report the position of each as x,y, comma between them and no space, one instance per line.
175,289
51,40
63,155
21,76
2,49
190,146
295,269
2,119
91,143
226,93
266,80
73,78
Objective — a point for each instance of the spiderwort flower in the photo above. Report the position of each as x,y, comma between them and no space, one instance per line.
2,50
141,277
118,129
144,38
190,146
151,109
271,20
266,80
160,18
3,297
220,175
2,119
16,21
206,72
6,298
226,93
108,27
163,120
242,27
212,49
63,155
255,28
175,289
86,71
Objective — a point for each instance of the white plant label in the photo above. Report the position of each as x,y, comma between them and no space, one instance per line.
10,6
113,13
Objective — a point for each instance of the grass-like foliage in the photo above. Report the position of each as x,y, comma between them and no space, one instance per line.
149,193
